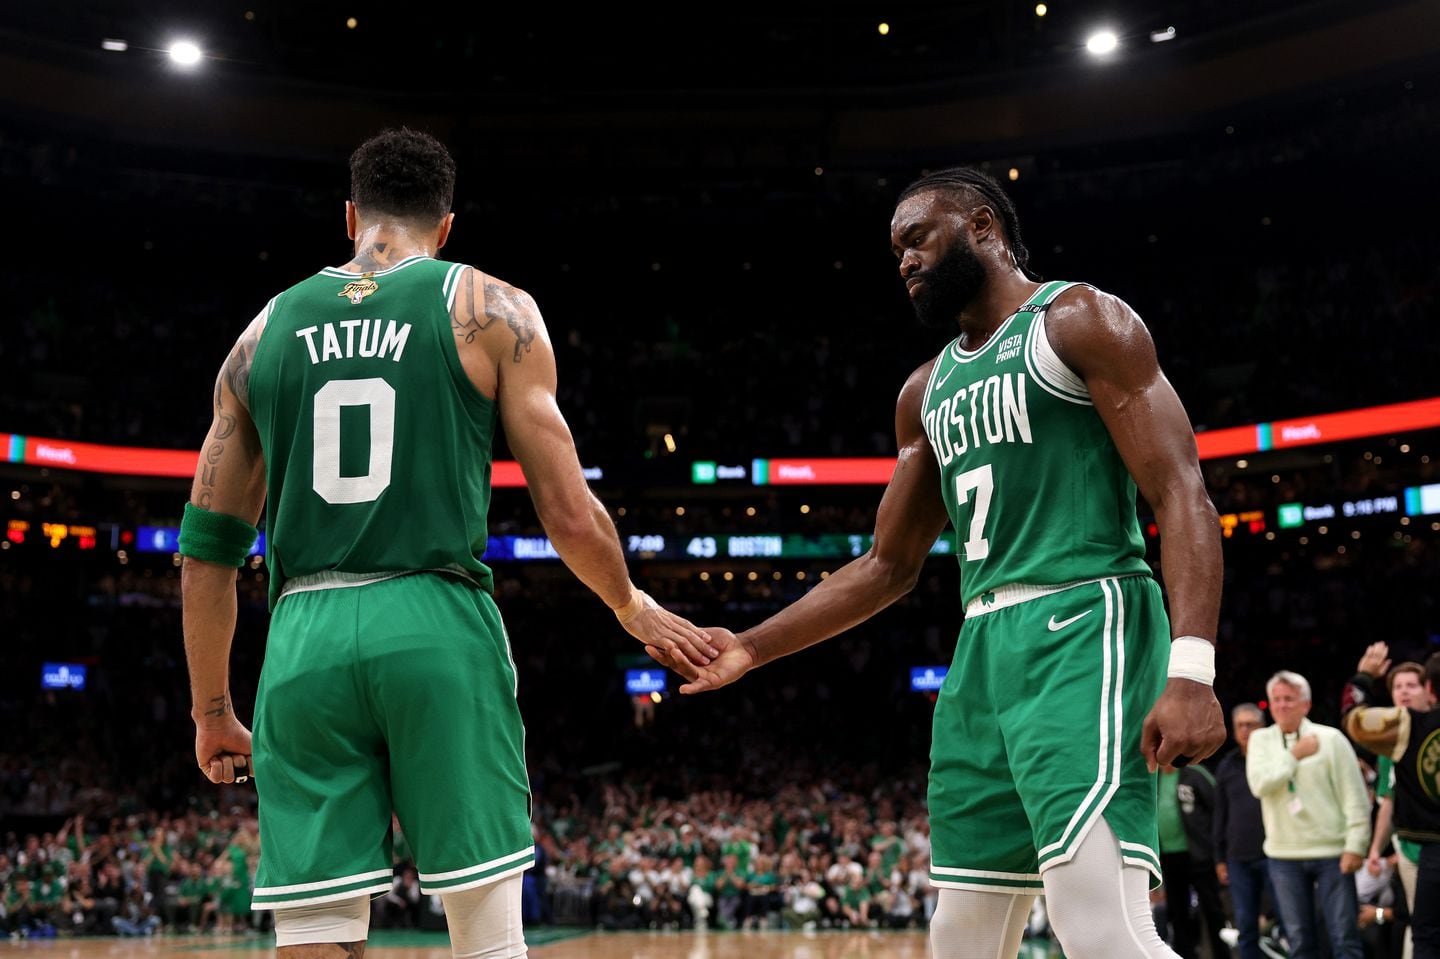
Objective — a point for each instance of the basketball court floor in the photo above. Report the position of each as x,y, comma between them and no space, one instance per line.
544,944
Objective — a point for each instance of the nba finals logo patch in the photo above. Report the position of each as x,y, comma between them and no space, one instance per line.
357,290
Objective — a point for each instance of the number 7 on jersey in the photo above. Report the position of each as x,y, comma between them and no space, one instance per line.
982,480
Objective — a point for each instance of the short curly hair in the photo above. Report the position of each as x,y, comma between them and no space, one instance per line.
403,173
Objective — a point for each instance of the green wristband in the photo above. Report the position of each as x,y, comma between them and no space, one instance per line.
215,537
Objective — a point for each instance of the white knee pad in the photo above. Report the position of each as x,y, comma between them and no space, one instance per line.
485,921
978,925
345,920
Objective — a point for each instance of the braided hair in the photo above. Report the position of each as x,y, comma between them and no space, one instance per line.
972,183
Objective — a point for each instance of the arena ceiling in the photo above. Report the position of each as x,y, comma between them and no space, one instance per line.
527,53
741,85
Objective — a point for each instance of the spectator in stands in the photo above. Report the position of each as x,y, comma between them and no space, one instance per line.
1410,738
701,895
25,914
109,891
1187,859
401,906
1382,917
902,904
77,901
889,844
1239,833
1408,689
802,902
730,892
190,897
855,902
763,886
136,917
1317,819
617,907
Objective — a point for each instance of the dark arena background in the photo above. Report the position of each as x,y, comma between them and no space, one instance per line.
698,197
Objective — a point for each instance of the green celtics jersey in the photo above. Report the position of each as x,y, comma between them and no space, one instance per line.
377,445
1033,483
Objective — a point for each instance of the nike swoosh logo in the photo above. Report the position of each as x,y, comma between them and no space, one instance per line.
941,381
1056,627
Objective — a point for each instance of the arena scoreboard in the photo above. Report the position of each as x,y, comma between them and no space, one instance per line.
670,546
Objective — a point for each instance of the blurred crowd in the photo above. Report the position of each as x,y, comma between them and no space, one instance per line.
841,845
793,799
129,876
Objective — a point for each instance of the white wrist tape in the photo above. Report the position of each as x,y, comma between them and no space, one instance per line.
638,601
1192,658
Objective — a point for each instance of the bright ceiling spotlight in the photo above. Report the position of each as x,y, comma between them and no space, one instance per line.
114,46
185,52
1102,42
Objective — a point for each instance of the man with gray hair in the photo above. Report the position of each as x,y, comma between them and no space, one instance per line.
1240,834
1317,819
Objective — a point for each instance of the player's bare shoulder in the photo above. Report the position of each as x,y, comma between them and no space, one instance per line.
494,317
910,406
1090,329
236,370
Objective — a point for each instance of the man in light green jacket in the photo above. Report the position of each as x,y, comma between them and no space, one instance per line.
1317,819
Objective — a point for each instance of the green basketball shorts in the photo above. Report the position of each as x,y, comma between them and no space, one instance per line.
386,694
1037,731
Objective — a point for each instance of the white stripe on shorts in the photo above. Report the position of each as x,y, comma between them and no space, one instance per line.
322,884
469,870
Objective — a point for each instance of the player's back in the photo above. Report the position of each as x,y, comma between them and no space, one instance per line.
377,446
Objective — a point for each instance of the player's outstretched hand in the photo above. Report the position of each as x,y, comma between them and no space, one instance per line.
222,750
1185,726
657,627
1376,661
735,658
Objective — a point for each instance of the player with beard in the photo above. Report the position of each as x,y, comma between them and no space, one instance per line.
1030,433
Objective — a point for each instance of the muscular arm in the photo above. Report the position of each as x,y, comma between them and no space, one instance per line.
911,517
506,352
574,519
230,478
1107,345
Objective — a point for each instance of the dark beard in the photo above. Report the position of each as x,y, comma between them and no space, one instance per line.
950,286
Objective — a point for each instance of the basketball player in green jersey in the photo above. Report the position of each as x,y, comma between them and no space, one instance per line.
363,402
1030,433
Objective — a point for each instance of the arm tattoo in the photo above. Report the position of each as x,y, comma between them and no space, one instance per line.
463,319
236,375
237,364
506,303
219,705
353,950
